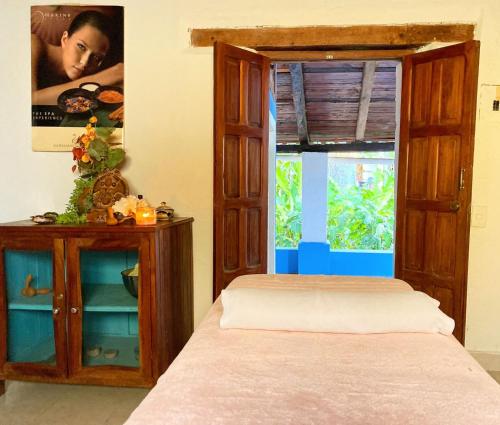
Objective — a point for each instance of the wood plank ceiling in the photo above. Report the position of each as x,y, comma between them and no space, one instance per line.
336,105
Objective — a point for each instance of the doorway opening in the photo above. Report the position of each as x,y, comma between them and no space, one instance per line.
334,129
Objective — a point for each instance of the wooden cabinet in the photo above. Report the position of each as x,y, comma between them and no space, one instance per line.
89,328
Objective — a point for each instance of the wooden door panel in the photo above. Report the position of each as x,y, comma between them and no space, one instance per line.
254,176
414,240
254,218
231,238
255,96
232,91
231,165
436,146
445,296
418,152
442,248
241,128
448,167
447,91
421,94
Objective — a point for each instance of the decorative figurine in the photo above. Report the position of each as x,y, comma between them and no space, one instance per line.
94,351
29,291
45,218
108,188
164,212
111,353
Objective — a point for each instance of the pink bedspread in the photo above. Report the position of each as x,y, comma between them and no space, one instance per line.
275,377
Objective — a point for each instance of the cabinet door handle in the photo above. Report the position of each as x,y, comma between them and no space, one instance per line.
75,310
56,311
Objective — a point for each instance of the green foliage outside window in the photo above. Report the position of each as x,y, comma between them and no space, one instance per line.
288,203
362,217
358,217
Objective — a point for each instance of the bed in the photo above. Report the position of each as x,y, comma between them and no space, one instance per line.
241,376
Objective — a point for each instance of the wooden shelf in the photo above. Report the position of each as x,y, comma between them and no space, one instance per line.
108,298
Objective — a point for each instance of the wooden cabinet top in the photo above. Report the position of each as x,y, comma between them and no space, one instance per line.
27,226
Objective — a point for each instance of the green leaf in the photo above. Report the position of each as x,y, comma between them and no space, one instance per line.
115,157
98,149
104,132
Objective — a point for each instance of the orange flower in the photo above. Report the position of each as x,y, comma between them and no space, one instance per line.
85,157
93,119
91,134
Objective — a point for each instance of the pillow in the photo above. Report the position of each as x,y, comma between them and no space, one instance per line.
331,311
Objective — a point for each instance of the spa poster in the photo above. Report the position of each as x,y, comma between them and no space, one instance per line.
76,73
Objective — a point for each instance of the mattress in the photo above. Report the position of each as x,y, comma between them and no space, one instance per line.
237,376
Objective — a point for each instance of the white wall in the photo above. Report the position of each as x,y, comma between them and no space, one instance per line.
169,89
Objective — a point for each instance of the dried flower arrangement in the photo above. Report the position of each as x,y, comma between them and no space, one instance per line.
93,155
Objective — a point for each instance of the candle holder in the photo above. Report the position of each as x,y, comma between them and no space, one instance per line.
145,216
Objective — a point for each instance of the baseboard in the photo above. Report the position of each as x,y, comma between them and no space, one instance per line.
488,360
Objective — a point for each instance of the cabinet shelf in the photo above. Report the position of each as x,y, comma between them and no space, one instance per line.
38,302
108,298
96,298
126,347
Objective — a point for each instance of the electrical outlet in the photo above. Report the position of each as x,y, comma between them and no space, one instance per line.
479,216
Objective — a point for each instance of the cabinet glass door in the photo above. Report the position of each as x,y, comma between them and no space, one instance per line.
110,329
29,287
32,307
108,281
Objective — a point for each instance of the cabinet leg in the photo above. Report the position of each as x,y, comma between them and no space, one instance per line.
2,387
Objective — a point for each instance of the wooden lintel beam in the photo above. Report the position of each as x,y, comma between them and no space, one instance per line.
299,101
364,100
324,36
320,55
338,147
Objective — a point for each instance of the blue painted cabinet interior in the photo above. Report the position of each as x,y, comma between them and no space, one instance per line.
110,312
29,319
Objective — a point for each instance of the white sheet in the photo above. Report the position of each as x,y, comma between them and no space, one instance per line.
277,377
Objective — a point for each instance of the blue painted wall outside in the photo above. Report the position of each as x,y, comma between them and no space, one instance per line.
314,258
272,105
287,260
340,262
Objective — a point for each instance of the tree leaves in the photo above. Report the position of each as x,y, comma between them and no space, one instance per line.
288,203
358,217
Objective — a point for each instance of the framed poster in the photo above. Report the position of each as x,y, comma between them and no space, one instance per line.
76,73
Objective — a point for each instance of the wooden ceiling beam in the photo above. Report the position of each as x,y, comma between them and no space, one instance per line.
338,147
320,55
324,36
365,98
299,101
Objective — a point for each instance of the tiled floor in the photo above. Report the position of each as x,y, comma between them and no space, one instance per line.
26,403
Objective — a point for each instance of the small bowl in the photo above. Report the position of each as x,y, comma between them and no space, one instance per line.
130,282
100,95
87,101
90,86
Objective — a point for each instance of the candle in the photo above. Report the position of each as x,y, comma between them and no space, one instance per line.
145,216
